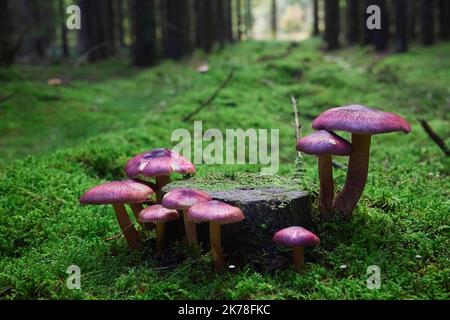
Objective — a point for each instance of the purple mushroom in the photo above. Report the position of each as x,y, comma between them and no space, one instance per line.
183,199
362,122
119,193
158,164
298,238
159,215
216,213
324,144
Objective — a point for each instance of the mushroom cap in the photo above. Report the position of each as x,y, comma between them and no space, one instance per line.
360,119
127,191
325,142
158,162
157,213
215,211
295,237
180,199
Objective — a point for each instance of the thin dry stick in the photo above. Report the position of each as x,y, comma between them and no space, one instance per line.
434,136
212,97
87,53
297,122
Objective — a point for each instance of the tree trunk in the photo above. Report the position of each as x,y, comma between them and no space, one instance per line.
368,34
353,21
316,17
414,18
64,44
219,21
239,19
177,17
427,22
7,45
273,18
145,36
444,19
119,23
332,25
110,27
381,36
401,31
228,21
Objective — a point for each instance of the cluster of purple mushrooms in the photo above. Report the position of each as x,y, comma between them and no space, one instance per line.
150,171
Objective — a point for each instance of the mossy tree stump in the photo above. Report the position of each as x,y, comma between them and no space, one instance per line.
266,210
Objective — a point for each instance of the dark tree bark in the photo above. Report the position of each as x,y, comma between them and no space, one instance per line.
110,27
93,36
239,19
7,43
177,29
427,22
64,44
119,23
145,35
204,25
332,25
444,19
273,18
228,21
353,21
401,23
316,18
414,9
368,34
381,36
218,13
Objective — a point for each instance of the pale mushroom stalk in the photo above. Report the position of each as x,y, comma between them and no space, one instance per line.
160,236
158,215
358,168
190,229
326,185
298,258
127,227
215,240
136,208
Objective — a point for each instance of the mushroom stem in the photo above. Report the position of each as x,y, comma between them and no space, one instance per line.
216,246
161,181
298,258
137,208
190,229
326,185
127,227
160,236
358,167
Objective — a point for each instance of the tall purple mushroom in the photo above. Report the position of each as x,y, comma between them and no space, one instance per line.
362,122
158,164
119,193
324,144
298,238
159,215
183,199
216,213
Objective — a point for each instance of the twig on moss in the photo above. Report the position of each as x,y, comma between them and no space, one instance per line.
434,136
298,126
208,101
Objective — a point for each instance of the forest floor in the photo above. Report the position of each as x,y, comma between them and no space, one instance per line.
57,141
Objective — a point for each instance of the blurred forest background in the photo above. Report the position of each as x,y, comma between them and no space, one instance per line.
150,30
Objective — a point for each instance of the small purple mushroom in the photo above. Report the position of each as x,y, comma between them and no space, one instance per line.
183,199
216,213
119,193
324,144
298,238
159,215
158,164
362,122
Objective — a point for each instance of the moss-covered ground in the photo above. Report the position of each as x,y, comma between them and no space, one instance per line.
57,141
